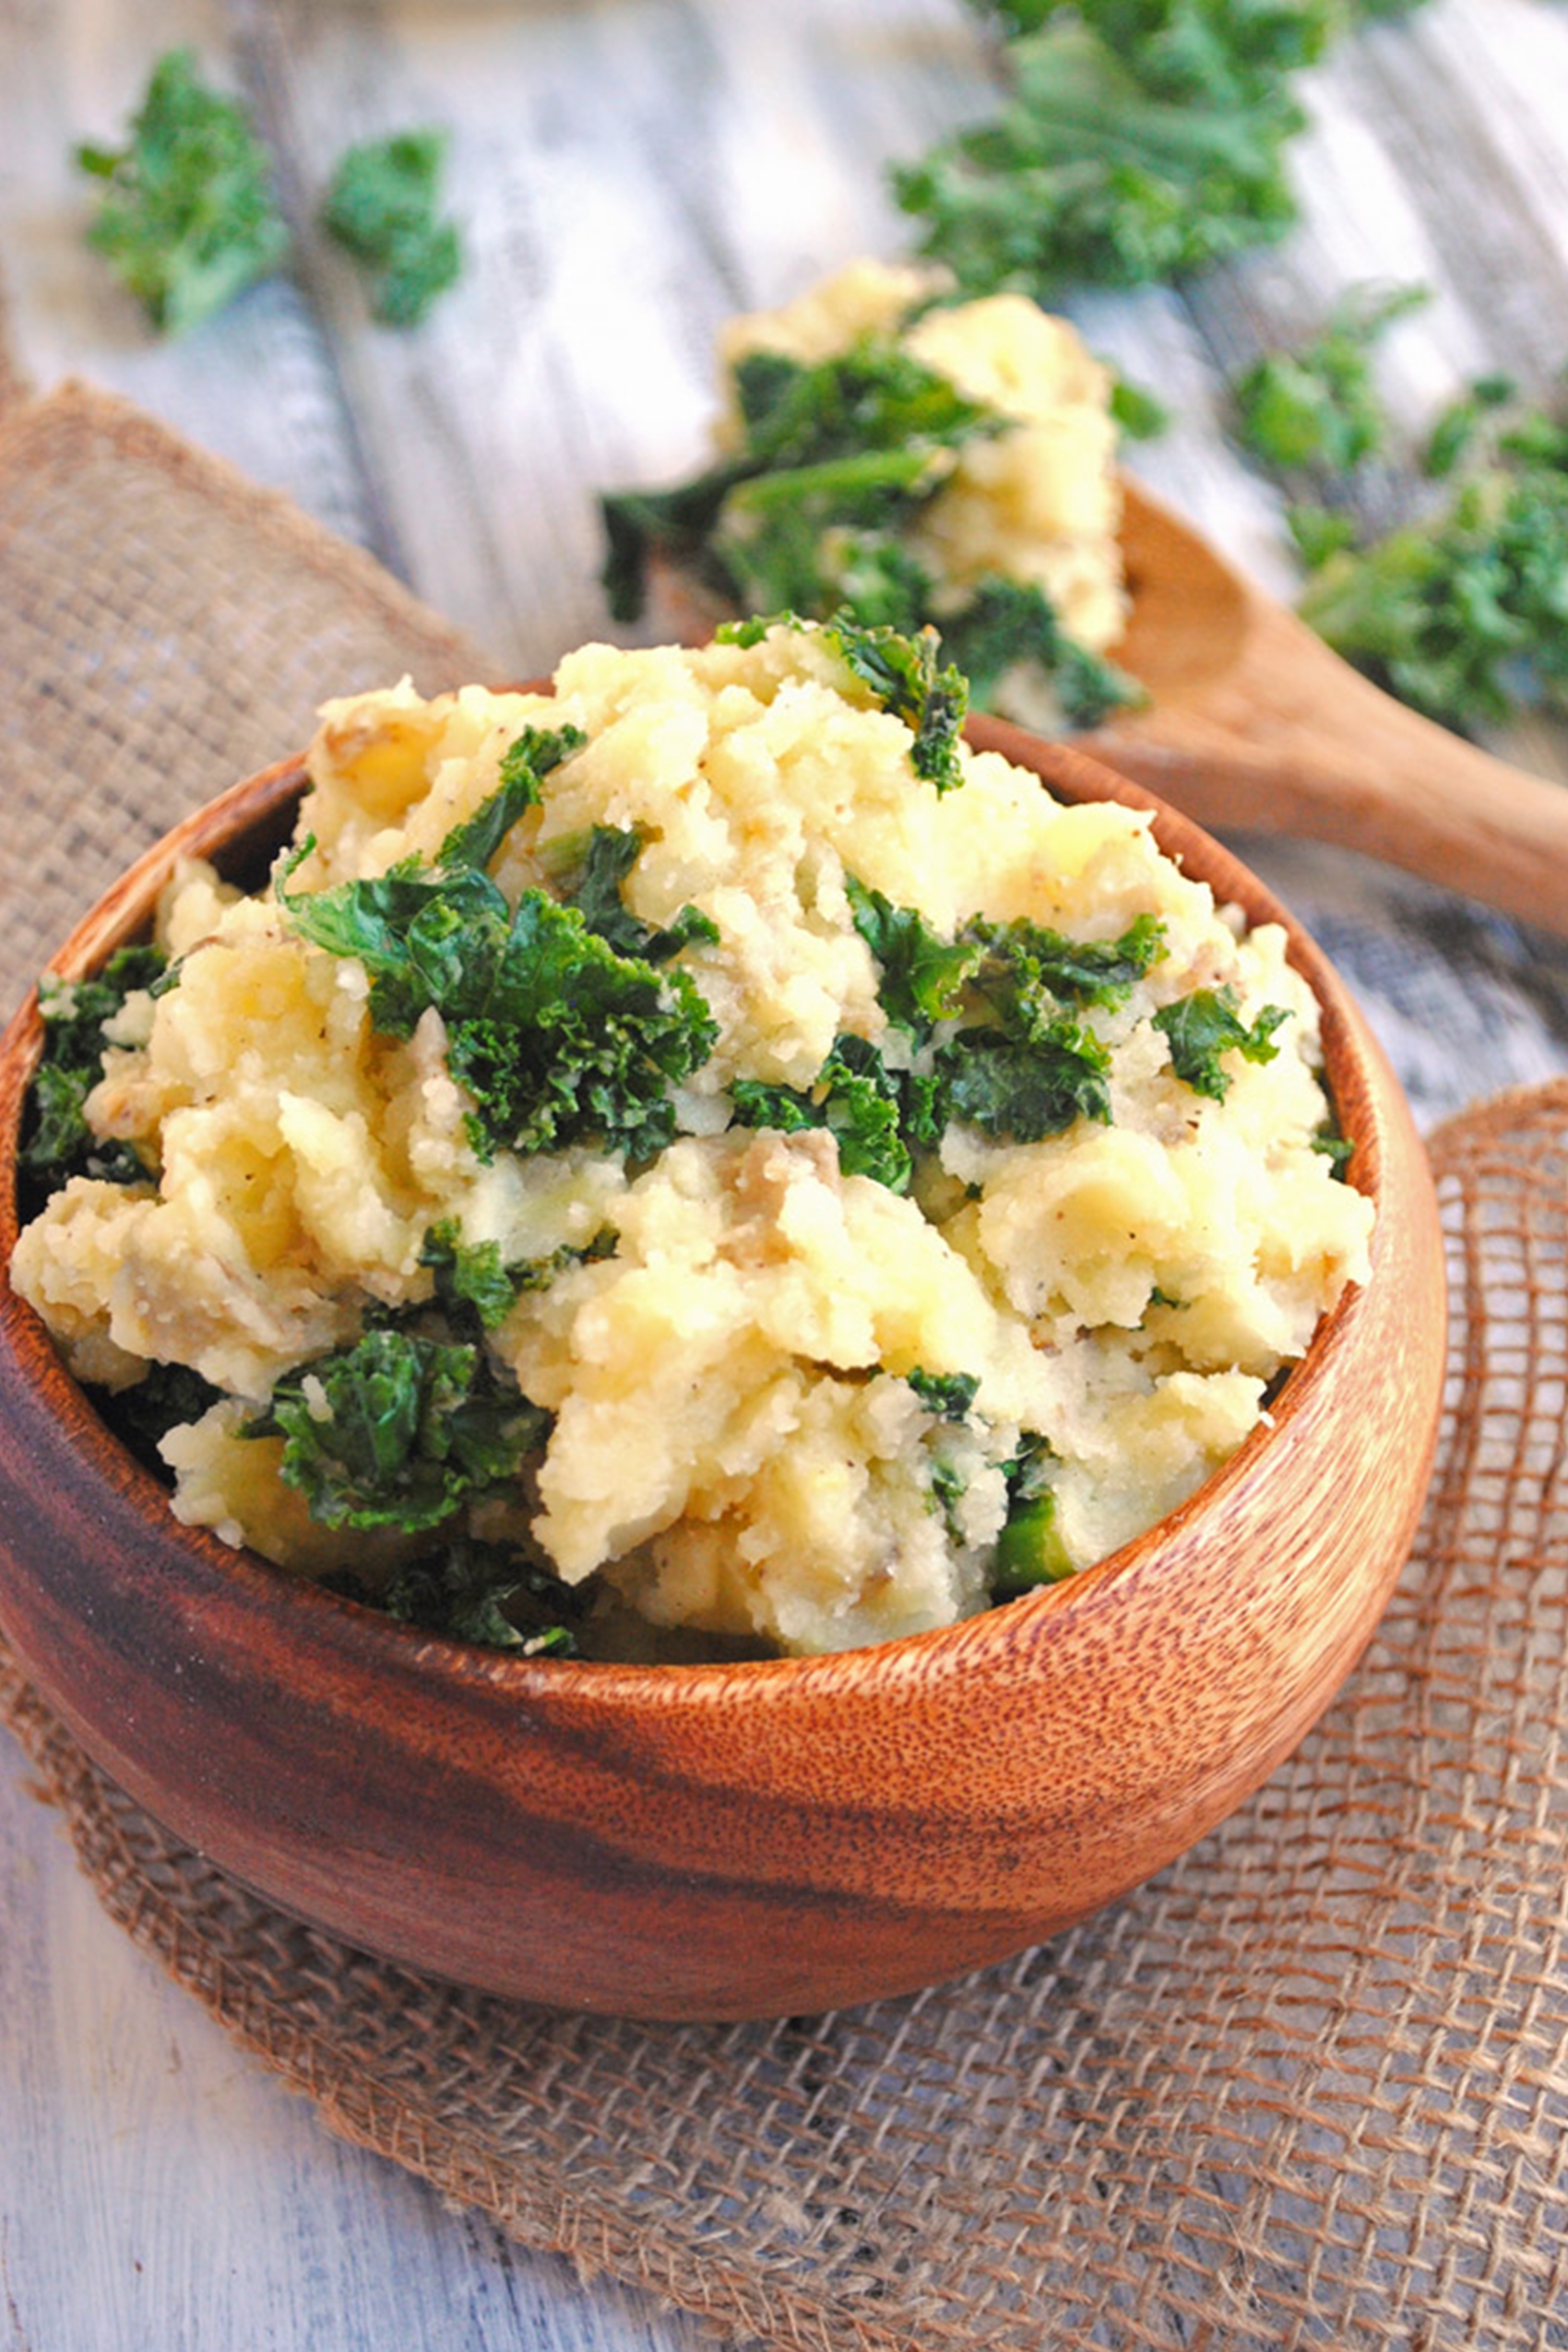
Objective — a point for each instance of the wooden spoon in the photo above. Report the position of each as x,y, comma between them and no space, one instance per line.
1254,723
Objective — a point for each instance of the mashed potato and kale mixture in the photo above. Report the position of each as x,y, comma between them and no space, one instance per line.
704,1150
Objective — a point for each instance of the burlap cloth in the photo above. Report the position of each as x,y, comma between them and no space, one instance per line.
1307,2087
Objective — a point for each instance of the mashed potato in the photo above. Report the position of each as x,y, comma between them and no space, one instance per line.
886,1189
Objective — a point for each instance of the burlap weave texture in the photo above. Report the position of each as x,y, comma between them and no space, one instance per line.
1309,2087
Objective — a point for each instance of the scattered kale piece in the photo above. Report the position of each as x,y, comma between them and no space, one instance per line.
1318,406
594,890
1461,613
902,673
490,1593
812,514
1140,139
1318,532
1025,964
1453,435
188,218
525,764
472,1283
1030,1550
556,1037
1337,1150
881,1118
923,977
1140,414
947,1395
57,1142
1201,1027
397,1430
1008,622
382,207
1021,1088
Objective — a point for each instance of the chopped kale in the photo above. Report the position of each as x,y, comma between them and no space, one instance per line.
881,1118
1008,624
947,1395
188,218
1140,139
1030,1550
490,1593
1318,406
524,766
594,890
1337,1150
1139,413
397,1430
472,1282
165,1398
923,977
1026,965
557,1038
1201,1027
902,673
381,208
1318,532
57,1142
1453,436
1022,1088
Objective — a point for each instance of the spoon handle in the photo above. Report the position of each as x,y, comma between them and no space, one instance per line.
1292,740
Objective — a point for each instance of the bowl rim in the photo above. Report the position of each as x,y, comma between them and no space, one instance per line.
242,812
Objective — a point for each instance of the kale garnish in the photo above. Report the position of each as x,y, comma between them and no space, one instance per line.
949,1396
188,218
902,673
923,977
594,890
1201,1027
1026,963
1317,406
472,1283
882,1118
381,208
165,1398
57,1142
1021,1088
397,1430
1029,1552
1006,623
490,1593
556,1037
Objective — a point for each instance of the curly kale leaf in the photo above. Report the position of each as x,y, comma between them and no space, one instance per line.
525,764
1021,1088
381,208
594,890
1202,1028
923,977
557,1038
1318,406
188,219
1007,624
1141,139
399,1431
1027,970
166,1396
472,1282
881,1118
490,1593
902,672
57,1142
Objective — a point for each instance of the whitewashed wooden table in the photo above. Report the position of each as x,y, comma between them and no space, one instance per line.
627,172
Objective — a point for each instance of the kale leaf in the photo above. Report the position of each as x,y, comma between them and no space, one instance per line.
1024,964
165,1397
490,1593
472,1283
557,1038
923,977
1318,406
881,1118
1021,1088
188,218
1030,1550
525,764
381,208
594,890
902,673
947,1395
1201,1027
1008,624
397,1430
1141,139
57,1142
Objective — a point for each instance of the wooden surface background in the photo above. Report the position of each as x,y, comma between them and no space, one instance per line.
627,172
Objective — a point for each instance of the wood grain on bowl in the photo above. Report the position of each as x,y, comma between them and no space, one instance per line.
742,1840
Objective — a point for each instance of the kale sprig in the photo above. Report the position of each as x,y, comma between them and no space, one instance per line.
1201,1029
57,1142
382,207
1318,406
557,1038
490,1593
188,218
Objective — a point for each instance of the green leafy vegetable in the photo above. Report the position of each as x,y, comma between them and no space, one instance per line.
1318,406
490,1593
1453,435
166,1396
382,207
525,764
1021,1088
471,1280
947,1395
1030,1550
556,1037
881,1118
1318,532
188,219
1200,1029
1141,139
57,1142
594,890
397,1430
1140,413
902,673
923,977
1025,964
811,514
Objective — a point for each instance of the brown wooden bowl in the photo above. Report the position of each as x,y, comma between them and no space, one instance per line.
743,1840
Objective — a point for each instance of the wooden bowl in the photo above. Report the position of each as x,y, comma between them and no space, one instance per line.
743,1840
